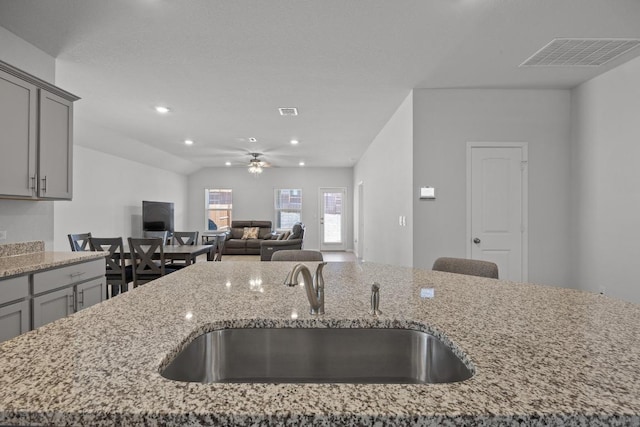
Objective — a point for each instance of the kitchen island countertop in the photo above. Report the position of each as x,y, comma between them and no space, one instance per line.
541,355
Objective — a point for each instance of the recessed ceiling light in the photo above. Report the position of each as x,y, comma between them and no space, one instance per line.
162,110
252,139
288,111
301,163
188,142
227,163
294,142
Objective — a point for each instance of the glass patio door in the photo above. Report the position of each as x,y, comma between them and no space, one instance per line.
332,219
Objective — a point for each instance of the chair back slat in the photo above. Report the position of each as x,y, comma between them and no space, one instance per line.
79,242
118,274
143,251
113,245
164,235
184,238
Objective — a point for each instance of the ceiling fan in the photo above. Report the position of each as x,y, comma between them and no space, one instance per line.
256,165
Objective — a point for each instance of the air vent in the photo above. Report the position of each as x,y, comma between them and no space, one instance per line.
288,111
580,52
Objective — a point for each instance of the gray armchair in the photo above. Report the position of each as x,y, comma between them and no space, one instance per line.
294,241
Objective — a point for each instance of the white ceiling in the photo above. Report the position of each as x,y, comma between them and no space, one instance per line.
225,66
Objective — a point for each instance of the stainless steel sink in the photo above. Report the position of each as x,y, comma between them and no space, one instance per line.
317,355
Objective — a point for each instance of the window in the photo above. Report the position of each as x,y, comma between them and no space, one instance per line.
218,206
288,205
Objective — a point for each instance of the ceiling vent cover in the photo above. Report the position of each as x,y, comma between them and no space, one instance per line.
580,52
288,111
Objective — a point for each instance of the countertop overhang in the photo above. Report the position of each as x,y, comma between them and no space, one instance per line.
30,257
542,355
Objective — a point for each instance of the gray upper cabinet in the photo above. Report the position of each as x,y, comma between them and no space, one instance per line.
36,142
56,147
18,121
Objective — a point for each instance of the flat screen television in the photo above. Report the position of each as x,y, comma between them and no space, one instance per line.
157,216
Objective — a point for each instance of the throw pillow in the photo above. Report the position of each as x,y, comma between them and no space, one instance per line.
250,233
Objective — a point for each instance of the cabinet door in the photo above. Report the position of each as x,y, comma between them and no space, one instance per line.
91,293
14,320
18,106
55,147
52,306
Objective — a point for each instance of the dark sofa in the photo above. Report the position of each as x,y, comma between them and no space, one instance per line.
236,245
293,240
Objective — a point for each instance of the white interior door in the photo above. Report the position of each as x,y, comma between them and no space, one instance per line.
497,207
332,219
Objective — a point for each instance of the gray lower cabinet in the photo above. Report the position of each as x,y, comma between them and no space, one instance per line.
52,306
14,319
62,291
58,304
15,310
90,293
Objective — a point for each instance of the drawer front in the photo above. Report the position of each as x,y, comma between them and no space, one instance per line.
14,289
67,275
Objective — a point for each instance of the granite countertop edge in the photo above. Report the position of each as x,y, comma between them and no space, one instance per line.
17,265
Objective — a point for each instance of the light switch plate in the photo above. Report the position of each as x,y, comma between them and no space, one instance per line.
427,193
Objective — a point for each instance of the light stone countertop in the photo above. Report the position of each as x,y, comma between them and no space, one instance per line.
38,261
542,355
30,257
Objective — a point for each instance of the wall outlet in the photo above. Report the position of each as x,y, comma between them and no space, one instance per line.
3,234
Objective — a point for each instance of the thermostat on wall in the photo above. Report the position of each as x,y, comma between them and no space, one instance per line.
427,193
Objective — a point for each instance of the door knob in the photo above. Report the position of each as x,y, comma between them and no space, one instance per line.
476,240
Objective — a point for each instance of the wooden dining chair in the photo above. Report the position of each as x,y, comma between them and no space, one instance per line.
470,267
164,235
183,238
145,268
118,274
297,255
79,242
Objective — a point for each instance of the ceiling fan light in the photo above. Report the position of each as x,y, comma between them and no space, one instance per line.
255,168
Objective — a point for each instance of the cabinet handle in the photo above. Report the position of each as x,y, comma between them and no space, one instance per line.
79,273
80,299
33,182
44,184
73,303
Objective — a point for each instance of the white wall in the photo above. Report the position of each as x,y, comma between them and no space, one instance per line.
25,56
386,171
26,220
605,184
107,196
253,196
444,121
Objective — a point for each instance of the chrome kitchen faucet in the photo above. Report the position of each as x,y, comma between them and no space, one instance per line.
313,285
